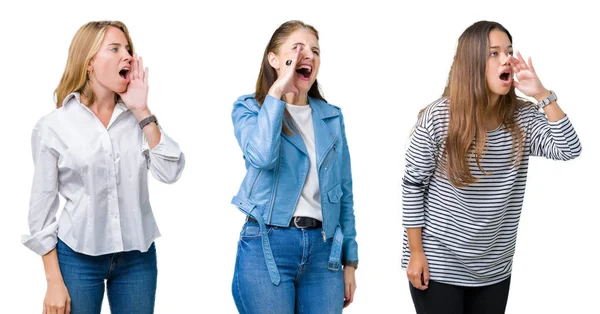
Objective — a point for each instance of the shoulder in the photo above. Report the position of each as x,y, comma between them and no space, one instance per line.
246,102
526,110
325,109
434,113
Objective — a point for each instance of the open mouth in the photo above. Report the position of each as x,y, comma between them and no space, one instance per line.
505,76
304,71
124,73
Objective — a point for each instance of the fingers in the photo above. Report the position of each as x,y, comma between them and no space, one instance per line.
514,64
146,75
349,290
68,307
134,67
530,64
415,280
521,58
141,70
426,276
292,62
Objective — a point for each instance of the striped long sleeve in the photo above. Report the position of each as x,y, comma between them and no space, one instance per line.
469,234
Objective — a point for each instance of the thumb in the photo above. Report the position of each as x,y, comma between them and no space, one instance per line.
426,275
515,84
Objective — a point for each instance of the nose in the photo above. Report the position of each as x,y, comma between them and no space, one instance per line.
506,60
127,56
306,53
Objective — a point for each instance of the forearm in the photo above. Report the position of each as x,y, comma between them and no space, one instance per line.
415,241
151,130
552,110
51,267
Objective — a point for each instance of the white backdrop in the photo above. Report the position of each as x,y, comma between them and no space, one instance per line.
381,62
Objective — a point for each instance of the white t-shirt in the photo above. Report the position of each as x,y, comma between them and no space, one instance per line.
309,204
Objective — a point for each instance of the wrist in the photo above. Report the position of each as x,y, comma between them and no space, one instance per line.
275,92
351,264
53,279
416,251
141,114
541,95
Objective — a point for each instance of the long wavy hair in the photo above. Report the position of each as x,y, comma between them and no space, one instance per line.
469,99
84,46
267,75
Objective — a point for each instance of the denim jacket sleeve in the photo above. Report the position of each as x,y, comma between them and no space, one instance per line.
347,220
258,130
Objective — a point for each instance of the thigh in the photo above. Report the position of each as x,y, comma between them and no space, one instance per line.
318,289
439,298
252,289
489,299
84,277
131,284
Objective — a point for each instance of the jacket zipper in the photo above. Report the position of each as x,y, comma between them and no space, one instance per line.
276,184
321,180
331,157
327,153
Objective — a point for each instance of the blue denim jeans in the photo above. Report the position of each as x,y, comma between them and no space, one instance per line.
130,280
301,255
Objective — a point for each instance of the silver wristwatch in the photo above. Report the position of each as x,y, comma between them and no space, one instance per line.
546,101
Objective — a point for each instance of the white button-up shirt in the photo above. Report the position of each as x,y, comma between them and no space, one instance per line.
102,172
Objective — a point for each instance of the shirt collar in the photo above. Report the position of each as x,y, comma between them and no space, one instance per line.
120,104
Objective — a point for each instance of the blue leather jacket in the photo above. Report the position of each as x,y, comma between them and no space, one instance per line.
277,166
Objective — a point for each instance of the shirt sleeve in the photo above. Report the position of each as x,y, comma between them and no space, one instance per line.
44,199
419,166
553,140
165,161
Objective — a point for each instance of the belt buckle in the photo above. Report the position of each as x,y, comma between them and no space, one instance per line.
296,219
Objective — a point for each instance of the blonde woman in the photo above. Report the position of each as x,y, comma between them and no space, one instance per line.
95,150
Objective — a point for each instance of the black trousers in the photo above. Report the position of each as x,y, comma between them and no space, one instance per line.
442,298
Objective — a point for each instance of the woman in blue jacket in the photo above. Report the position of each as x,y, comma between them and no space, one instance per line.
297,192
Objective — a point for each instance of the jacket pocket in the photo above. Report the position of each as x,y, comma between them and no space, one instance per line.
335,194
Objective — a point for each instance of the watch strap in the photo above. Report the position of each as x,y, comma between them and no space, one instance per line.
546,101
147,121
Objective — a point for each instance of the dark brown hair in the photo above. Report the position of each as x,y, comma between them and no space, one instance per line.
469,98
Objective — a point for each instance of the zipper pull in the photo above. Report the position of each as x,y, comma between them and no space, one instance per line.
323,233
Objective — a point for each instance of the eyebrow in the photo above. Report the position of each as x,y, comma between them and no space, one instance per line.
314,47
118,45
498,47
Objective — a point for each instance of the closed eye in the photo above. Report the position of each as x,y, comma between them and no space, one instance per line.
316,52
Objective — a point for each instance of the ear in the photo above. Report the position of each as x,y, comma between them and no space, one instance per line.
273,60
90,67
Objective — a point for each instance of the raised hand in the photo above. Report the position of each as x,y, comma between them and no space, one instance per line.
527,80
136,95
285,82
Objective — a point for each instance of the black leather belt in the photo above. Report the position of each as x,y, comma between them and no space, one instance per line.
300,222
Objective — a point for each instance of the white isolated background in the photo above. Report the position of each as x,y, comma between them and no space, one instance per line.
381,62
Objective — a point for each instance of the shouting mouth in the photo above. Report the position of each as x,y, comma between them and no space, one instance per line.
304,72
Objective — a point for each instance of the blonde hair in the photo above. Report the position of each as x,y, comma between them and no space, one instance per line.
84,47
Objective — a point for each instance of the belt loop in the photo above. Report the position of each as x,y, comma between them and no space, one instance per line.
336,250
